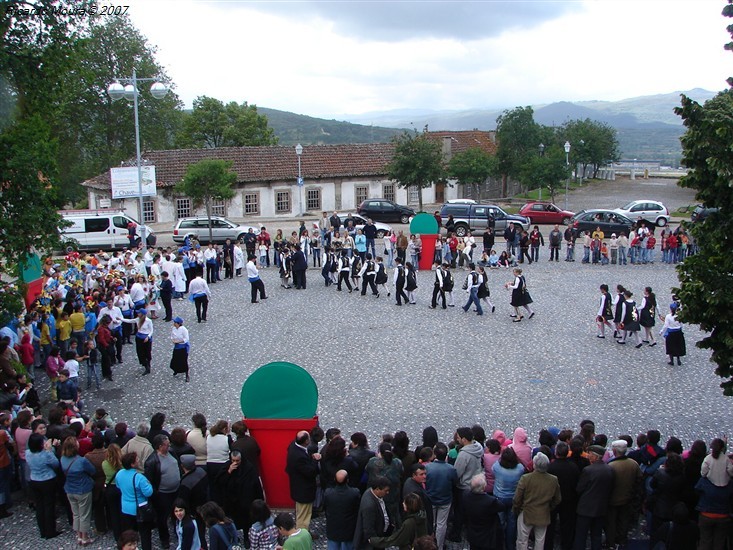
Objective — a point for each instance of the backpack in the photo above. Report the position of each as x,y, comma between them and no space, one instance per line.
229,537
447,281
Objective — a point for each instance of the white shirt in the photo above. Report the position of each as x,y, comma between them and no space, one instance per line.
670,322
252,271
209,254
146,328
137,292
124,302
217,448
198,286
72,365
179,333
114,312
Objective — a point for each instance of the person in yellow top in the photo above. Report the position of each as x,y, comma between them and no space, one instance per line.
78,330
598,234
63,329
45,342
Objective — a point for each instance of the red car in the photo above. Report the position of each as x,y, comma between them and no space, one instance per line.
545,213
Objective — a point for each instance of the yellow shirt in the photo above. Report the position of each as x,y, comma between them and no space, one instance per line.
45,335
77,321
64,329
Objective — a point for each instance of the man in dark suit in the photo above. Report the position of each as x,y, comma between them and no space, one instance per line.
341,504
594,492
567,474
302,469
373,520
416,484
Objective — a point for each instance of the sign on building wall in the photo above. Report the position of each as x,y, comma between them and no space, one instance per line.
124,182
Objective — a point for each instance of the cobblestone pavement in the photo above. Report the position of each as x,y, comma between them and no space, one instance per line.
380,368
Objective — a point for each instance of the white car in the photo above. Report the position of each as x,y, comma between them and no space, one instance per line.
360,221
651,211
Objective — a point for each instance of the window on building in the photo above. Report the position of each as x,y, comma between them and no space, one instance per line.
218,208
361,193
388,191
251,203
313,199
149,211
413,196
282,202
183,208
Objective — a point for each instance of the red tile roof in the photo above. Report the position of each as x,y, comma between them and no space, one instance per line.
280,163
461,141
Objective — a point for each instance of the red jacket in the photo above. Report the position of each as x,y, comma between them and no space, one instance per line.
26,351
104,337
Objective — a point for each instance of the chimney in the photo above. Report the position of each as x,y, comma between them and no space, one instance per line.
447,153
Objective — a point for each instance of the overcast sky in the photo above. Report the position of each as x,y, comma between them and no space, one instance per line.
329,58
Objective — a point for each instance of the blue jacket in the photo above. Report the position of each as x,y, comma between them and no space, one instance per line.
79,474
142,487
439,484
713,499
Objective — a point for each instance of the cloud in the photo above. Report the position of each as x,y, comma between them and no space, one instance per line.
394,21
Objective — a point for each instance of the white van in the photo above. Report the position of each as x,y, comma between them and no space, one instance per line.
100,229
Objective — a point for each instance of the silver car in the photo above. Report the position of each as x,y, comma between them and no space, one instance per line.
221,230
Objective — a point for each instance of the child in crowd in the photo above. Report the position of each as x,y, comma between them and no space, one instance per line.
63,327
92,358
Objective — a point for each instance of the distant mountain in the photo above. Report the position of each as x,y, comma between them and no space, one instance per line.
647,127
292,128
627,113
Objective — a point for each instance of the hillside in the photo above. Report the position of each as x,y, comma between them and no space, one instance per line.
292,128
647,127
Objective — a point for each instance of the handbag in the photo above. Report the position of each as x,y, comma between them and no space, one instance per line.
144,513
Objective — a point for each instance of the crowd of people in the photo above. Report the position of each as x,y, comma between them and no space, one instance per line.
202,485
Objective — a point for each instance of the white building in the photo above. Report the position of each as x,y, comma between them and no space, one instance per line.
336,177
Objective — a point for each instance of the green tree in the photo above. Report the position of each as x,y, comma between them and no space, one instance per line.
212,124
548,171
472,167
29,219
707,277
593,143
94,133
417,161
518,137
206,180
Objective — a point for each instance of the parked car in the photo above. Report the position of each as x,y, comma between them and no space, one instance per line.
477,217
360,222
545,212
649,211
701,212
382,210
221,229
609,221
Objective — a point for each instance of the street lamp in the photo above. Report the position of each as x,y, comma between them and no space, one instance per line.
298,152
542,154
577,168
567,163
130,92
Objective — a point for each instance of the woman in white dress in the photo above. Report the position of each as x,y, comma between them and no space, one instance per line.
238,259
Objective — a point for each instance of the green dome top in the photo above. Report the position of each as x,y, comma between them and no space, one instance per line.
279,390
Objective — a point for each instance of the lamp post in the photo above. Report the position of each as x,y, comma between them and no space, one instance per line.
117,91
577,168
298,152
567,163
542,154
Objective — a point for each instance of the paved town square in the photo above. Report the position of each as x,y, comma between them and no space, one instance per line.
380,368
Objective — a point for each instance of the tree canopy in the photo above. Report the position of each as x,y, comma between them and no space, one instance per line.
707,277
472,167
518,137
212,124
417,161
206,180
593,143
